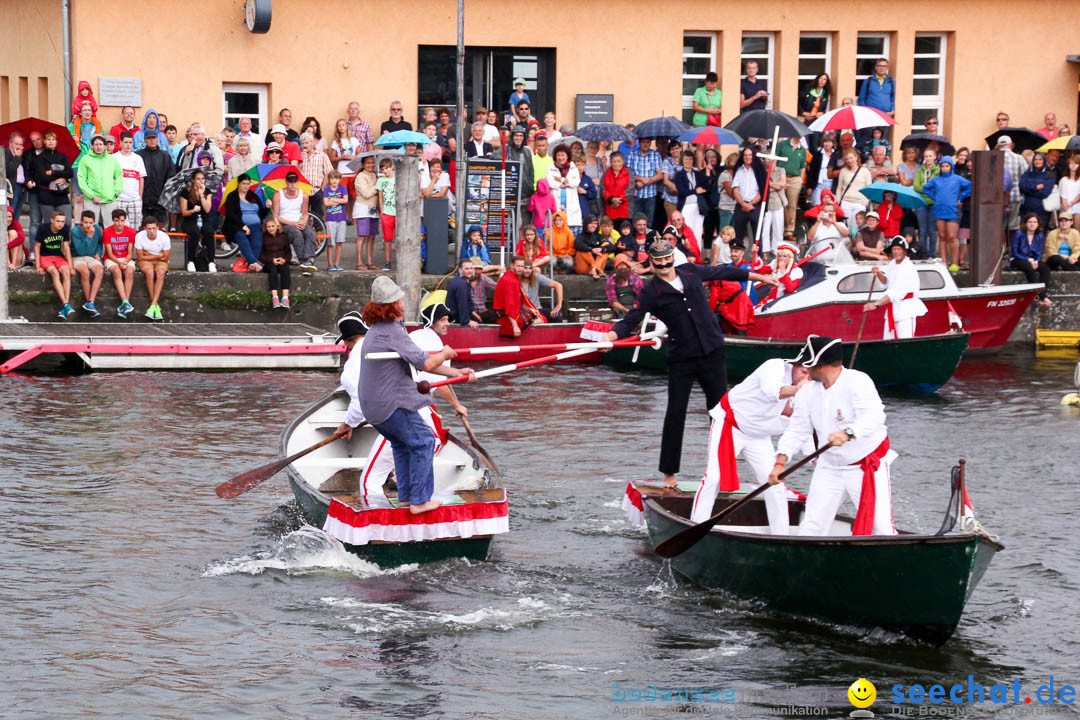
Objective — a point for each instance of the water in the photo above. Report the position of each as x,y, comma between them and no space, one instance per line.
128,589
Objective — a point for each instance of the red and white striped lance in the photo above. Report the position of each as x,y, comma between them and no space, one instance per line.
501,349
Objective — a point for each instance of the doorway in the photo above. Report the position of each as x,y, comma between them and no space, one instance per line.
489,77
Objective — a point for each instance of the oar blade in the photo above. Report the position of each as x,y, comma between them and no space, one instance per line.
683,541
245,481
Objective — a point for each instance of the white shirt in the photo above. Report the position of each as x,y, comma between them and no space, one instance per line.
823,179
677,283
156,246
900,280
350,380
491,133
351,145
852,402
132,167
746,182
826,236
756,400
429,341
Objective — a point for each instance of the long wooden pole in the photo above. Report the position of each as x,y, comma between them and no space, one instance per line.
862,323
3,236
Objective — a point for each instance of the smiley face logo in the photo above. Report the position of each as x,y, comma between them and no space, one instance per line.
862,693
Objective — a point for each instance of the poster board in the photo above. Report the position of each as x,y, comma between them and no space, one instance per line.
483,199
119,91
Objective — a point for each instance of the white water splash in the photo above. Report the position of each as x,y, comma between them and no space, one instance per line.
300,552
375,618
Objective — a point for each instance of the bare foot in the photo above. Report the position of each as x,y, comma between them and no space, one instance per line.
670,481
425,507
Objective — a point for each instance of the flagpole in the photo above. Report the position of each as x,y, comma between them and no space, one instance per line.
459,154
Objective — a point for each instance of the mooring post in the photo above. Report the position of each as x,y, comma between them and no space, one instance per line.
407,240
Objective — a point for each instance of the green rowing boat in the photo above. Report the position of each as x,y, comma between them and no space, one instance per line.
922,364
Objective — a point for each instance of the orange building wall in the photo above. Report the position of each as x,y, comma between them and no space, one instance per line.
625,47
31,60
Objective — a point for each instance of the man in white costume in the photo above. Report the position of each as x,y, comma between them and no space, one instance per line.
436,319
901,298
843,407
744,422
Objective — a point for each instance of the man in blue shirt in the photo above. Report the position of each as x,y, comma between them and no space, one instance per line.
752,92
877,91
644,163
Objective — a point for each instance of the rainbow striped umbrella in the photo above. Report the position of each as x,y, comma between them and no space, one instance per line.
268,178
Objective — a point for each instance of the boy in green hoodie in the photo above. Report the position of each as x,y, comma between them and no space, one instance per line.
100,180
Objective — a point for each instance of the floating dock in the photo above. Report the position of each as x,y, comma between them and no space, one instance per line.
171,346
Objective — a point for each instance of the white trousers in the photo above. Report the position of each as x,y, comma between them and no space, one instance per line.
693,218
830,484
761,455
380,462
904,329
772,229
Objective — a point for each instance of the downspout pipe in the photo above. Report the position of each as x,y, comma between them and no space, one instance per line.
65,22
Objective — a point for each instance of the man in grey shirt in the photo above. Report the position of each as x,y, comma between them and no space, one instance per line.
531,282
388,396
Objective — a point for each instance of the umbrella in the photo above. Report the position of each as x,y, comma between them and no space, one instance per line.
1063,142
921,140
1023,138
604,132
661,127
357,163
710,136
852,117
403,137
64,142
905,196
761,123
269,177
178,184
566,140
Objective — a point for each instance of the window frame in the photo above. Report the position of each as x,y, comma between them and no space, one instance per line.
261,118
803,80
885,53
688,100
930,102
770,55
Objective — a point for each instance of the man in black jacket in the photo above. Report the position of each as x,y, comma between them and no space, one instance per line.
459,295
159,168
678,297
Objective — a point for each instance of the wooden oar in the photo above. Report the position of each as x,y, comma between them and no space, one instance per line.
475,444
862,323
245,481
683,541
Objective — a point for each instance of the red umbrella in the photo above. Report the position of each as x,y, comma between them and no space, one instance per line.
64,142
851,117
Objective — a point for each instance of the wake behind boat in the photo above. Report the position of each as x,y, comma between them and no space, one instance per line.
912,583
327,487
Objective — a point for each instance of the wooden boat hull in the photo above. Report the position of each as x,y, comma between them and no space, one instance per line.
315,484
912,584
921,364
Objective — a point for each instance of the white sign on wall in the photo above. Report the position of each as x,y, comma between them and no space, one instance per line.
120,91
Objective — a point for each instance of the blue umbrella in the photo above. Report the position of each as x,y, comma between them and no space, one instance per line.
905,196
661,127
710,136
403,137
604,132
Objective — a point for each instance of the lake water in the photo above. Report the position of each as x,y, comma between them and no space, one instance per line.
129,590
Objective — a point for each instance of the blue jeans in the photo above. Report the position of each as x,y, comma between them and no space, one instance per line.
250,246
927,229
647,206
414,446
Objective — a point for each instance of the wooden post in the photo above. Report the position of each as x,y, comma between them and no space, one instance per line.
3,236
987,216
407,235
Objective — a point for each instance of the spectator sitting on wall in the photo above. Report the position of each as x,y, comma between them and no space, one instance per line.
532,279
16,237
86,250
290,207
474,246
1026,251
532,247
52,256
396,121
459,295
1062,248
152,249
118,241
592,249
480,285
274,261
562,243
623,287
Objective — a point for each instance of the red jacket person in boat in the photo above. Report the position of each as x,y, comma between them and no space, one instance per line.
901,298
677,296
843,407
514,311
784,269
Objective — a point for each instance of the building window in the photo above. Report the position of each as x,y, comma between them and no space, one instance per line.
928,80
699,58
759,48
248,101
868,49
815,57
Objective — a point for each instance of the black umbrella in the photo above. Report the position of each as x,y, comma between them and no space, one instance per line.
660,127
1022,138
761,123
604,132
178,184
919,141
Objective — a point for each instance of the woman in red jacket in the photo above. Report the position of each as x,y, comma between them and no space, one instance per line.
889,215
618,180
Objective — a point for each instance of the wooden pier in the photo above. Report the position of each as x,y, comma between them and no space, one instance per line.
172,346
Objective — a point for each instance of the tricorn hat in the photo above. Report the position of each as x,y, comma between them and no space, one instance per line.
819,350
350,325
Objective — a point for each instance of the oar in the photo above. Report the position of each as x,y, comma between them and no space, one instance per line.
683,541
245,481
475,444
862,323
425,387
501,349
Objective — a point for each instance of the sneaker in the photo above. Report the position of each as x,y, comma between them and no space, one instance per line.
65,311
309,266
226,248
91,308
334,268
122,310
128,307
954,268
191,267
277,302
157,313
285,302
386,267
213,268
150,312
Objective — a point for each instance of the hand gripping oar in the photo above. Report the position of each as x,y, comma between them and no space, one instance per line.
245,481
683,541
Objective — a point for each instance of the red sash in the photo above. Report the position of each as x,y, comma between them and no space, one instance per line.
729,471
864,518
889,313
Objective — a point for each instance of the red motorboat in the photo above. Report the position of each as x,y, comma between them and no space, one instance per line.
831,304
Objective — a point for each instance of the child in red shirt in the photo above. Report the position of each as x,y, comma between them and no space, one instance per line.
119,241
